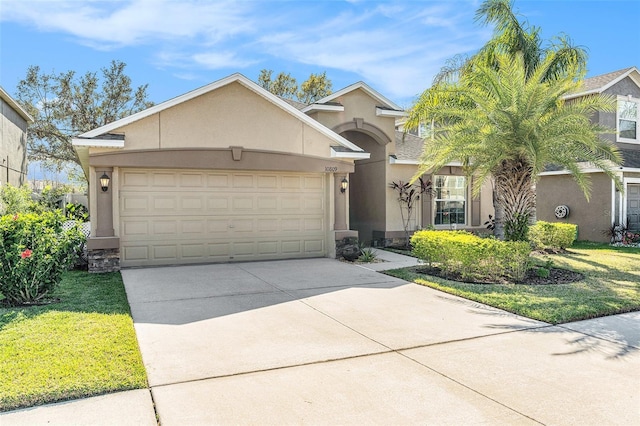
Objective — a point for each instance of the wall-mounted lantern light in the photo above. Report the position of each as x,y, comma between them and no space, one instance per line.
104,182
344,184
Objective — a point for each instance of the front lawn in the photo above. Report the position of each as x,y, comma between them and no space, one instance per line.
611,286
81,346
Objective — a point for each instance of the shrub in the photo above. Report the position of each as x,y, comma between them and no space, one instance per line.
16,199
34,252
367,255
517,228
77,211
555,236
472,257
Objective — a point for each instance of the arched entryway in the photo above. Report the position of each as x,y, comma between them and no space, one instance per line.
367,184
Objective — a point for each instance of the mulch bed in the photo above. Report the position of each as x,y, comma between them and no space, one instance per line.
556,276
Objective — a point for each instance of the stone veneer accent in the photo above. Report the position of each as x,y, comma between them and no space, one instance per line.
344,243
104,260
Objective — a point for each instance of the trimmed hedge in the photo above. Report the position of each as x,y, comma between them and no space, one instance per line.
555,236
471,257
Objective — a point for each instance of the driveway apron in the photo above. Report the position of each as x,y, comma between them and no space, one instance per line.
322,341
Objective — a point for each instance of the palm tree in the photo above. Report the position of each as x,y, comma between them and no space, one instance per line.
512,39
507,121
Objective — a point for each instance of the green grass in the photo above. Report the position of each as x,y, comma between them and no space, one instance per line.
611,286
84,345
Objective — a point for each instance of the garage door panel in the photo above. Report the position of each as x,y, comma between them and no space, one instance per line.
164,180
314,246
173,217
134,228
194,251
165,227
267,182
131,179
165,203
243,181
191,180
165,251
220,203
314,182
267,248
135,254
196,227
243,203
268,203
134,205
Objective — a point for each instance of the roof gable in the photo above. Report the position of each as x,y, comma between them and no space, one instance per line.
366,88
15,105
239,78
600,83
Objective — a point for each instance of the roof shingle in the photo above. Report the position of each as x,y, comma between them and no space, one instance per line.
408,147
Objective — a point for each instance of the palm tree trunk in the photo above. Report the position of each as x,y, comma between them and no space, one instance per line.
498,216
514,194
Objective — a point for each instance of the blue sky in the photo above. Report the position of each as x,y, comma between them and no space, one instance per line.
394,46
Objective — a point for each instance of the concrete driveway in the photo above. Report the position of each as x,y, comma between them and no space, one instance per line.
323,342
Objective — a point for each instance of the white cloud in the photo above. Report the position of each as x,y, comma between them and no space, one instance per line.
216,60
398,51
396,47
124,23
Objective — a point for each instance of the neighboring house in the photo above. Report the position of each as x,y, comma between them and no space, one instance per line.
607,206
13,141
231,172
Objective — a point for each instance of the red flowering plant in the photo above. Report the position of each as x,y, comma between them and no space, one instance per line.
34,252
630,238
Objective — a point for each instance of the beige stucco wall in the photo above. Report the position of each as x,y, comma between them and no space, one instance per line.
207,120
394,223
592,217
357,104
13,142
367,188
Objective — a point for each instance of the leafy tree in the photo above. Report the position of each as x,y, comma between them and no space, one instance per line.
284,85
515,40
64,105
518,123
317,86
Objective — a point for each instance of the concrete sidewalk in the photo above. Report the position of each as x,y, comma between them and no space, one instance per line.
324,342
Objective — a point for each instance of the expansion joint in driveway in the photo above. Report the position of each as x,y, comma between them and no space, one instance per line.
328,361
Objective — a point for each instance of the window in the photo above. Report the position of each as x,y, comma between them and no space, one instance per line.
450,198
422,131
628,120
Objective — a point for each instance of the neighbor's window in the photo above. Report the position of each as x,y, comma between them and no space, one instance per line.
450,198
422,131
628,119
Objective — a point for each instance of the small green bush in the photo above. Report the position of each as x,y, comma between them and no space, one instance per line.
34,252
555,236
16,199
367,255
517,229
472,257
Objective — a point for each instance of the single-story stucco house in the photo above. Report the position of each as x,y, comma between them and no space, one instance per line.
231,172
558,197
13,140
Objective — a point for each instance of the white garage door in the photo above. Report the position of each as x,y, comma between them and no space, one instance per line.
178,216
